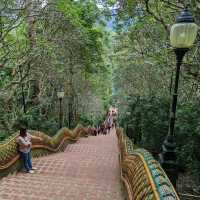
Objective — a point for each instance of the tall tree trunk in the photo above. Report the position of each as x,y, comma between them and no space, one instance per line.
30,4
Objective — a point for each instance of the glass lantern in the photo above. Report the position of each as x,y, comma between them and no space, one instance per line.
183,33
60,94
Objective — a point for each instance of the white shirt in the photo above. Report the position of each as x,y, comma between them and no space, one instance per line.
24,141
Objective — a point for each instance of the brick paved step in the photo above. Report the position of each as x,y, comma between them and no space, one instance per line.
87,170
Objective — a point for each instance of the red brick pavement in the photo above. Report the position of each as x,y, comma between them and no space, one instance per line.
87,170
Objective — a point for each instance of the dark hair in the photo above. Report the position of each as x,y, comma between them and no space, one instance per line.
22,132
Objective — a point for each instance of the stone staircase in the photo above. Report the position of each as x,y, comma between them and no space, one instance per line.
87,170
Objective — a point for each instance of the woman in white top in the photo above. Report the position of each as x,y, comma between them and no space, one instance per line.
24,141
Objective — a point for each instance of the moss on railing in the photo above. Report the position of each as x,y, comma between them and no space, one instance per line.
143,176
9,155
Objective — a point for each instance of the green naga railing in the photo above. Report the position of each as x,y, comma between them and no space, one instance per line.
9,155
142,175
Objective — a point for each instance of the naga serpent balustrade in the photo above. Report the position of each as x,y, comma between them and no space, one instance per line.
142,175
9,155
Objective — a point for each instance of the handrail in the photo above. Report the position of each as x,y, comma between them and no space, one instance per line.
35,146
142,175
9,155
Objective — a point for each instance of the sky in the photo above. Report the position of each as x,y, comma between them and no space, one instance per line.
102,5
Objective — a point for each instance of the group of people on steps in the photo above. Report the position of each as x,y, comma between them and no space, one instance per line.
105,127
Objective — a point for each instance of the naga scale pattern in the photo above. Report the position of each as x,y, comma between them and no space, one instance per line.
9,156
142,175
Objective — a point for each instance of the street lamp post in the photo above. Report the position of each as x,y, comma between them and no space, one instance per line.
182,36
70,112
60,95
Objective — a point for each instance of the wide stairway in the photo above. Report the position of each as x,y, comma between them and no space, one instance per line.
87,170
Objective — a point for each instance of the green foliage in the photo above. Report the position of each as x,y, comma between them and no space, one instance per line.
144,68
149,118
188,137
86,120
47,45
3,136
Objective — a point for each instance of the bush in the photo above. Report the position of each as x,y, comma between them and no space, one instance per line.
150,118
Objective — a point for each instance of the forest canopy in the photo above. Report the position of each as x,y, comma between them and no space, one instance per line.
101,53
45,45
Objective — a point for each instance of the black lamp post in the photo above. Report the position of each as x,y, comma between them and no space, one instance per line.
60,95
70,112
182,36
